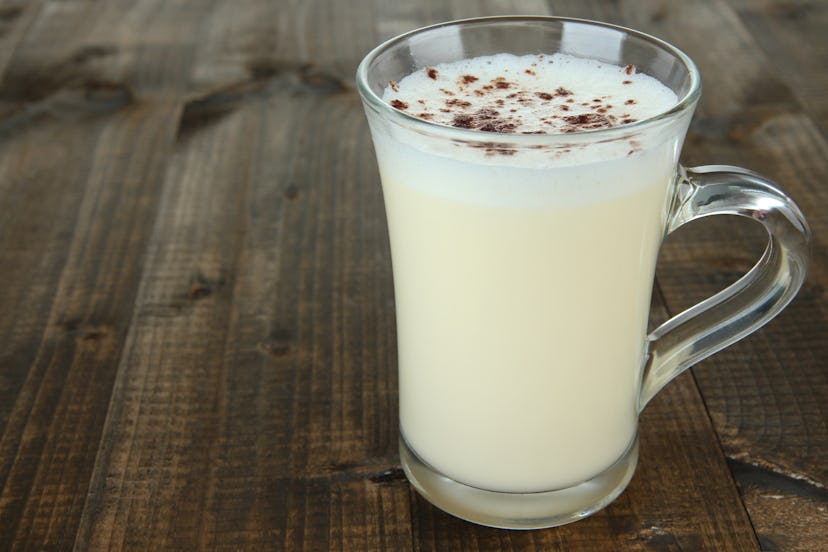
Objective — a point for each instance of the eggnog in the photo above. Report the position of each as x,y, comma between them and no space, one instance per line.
523,270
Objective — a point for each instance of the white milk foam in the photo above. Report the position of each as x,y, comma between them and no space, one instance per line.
530,94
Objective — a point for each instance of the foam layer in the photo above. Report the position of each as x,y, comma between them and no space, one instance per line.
532,94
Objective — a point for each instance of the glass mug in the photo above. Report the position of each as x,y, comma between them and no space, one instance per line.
523,269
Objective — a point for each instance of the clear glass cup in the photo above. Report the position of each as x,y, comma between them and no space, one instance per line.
523,270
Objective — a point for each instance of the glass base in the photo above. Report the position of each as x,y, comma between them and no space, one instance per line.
519,510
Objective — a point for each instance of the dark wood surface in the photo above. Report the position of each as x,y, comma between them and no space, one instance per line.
196,306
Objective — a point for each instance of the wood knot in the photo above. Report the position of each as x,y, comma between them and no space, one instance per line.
390,476
201,287
85,332
291,192
277,344
91,52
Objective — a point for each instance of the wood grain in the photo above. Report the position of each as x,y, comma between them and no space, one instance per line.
197,308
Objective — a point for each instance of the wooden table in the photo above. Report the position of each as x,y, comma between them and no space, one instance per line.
196,306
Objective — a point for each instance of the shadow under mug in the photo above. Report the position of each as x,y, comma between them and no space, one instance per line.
523,270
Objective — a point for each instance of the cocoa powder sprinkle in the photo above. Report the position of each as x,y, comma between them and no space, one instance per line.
588,121
462,121
454,102
513,100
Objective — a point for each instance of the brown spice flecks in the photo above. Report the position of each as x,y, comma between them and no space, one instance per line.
454,102
587,121
544,95
496,126
628,121
563,107
486,114
394,86
530,72
627,82
447,92
462,121
630,102
399,104
493,149
468,79
426,116
432,73
503,84
485,120
500,102
597,100
570,100
534,132
629,69
561,91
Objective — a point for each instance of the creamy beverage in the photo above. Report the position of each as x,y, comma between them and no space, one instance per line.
527,195
523,275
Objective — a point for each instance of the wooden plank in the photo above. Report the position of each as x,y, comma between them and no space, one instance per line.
291,429
15,19
791,36
81,157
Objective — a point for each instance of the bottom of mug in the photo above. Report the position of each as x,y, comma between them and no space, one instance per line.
519,510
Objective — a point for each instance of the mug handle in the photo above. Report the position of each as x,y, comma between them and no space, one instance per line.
751,301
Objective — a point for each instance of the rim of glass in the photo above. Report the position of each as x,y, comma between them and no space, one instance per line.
377,103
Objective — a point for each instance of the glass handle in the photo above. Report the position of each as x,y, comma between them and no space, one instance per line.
756,297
